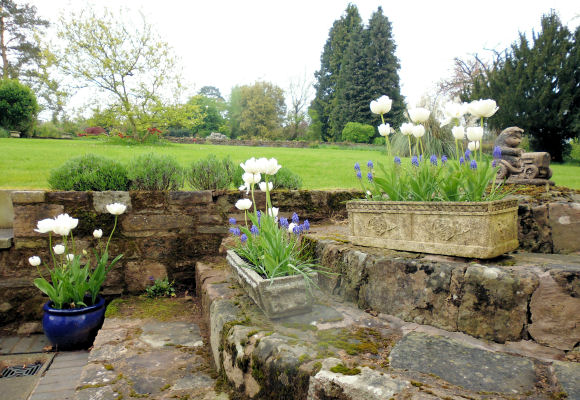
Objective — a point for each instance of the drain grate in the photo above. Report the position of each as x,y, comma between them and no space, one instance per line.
20,370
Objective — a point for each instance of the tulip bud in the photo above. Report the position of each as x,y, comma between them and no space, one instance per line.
34,261
458,132
384,129
474,133
418,131
98,233
58,249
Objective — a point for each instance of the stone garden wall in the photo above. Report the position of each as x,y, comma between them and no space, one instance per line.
161,234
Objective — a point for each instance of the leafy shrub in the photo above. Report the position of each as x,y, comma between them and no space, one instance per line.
379,140
284,179
160,288
18,107
211,173
357,132
89,172
4,133
95,130
574,155
47,129
152,172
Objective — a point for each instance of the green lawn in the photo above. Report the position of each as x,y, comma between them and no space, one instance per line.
26,163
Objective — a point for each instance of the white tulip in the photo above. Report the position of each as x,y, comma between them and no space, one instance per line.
419,115
384,129
271,166
482,108
472,146
34,261
273,212
58,249
291,227
116,208
70,257
251,179
251,166
98,233
262,163
63,224
458,132
382,105
418,131
455,110
45,225
243,204
262,186
474,133
407,128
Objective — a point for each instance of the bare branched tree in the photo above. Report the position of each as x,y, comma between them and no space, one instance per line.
299,90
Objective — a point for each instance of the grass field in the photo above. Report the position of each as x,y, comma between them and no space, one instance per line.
26,163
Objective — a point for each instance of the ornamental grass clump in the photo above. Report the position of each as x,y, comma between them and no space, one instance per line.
73,282
470,176
270,245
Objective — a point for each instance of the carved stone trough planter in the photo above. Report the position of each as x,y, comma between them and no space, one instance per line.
278,297
464,229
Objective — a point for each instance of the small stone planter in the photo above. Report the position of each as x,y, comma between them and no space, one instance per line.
465,229
278,297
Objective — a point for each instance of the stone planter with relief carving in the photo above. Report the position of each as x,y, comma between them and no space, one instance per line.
465,229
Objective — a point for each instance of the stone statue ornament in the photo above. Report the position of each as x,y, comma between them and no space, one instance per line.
518,166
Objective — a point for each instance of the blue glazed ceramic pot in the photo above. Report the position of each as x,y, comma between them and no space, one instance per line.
73,329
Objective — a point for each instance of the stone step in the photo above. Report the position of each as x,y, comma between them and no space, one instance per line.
6,236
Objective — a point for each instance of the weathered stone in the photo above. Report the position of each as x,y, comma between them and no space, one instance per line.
462,365
568,280
194,382
138,274
186,199
6,236
27,216
368,384
76,198
495,303
534,232
565,224
568,375
211,219
148,201
27,196
555,317
20,244
101,199
5,306
160,334
475,230
212,229
110,336
28,328
108,353
144,385
156,222
220,313
98,393
6,210
95,374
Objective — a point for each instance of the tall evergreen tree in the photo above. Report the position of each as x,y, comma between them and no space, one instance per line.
536,87
330,65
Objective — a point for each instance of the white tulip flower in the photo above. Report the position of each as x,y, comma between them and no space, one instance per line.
45,225
418,131
63,224
116,208
482,108
58,249
407,128
251,179
384,129
473,146
474,133
243,204
271,166
34,261
455,110
70,257
458,132
291,227
273,212
251,166
98,233
419,115
262,186
382,105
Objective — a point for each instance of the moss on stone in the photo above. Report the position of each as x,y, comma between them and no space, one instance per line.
342,369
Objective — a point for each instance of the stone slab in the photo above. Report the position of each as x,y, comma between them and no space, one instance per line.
565,223
101,199
465,366
6,236
568,375
28,196
160,334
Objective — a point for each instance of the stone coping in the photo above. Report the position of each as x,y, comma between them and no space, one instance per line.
339,348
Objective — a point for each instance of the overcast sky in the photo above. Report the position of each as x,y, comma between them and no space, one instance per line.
227,43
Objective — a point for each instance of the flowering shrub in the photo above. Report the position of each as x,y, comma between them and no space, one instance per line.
72,283
89,172
270,245
429,178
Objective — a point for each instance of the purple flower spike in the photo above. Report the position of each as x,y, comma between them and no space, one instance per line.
415,161
370,164
243,238
295,218
473,164
494,163
358,174
151,278
461,160
259,216
397,160
497,152
467,154
233,221
370,176
284,222
296,230
306,225
443,159
235,231
356,166
433,159
254,230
